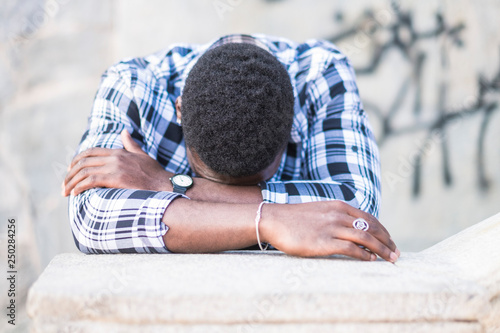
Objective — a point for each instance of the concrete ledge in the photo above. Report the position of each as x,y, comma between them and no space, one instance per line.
451,287
438,327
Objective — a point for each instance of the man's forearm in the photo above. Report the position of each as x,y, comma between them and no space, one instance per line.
197,226
311,229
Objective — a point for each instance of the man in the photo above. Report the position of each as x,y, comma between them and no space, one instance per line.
252,119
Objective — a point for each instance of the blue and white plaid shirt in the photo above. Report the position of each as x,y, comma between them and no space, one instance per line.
332,154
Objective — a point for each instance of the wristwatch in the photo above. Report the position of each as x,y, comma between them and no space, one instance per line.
181,183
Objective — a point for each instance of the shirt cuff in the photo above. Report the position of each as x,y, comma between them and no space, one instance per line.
152,211
163,200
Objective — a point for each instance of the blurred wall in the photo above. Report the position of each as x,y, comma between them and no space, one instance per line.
428,73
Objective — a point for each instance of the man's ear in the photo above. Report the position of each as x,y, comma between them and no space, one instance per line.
178,106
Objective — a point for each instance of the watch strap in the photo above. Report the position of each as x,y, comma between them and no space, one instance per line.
179,189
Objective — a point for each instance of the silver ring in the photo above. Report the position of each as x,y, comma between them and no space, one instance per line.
360,224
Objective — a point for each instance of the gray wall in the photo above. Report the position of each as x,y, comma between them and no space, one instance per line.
428,72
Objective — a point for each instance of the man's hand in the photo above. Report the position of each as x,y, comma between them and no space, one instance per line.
128,168
325,228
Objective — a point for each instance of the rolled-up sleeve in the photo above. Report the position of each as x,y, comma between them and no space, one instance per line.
105,220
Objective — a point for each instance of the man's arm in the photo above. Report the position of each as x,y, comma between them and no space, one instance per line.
131,217
341,158
132,168
307,230
315,229
342,163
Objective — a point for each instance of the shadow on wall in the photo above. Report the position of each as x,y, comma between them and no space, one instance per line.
401,35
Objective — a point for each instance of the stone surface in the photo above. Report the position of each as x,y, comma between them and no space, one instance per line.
451,287
435,327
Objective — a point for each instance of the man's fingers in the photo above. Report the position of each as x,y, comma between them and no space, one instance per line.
92,152
86,176
129,144
83,163
356,213
92,181
369,241
376,228
350,249
332,246
373,221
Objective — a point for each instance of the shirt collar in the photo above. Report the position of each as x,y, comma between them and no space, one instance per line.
239,38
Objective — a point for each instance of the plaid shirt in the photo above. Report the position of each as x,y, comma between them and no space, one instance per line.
331,155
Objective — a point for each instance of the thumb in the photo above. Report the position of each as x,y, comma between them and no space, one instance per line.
129,144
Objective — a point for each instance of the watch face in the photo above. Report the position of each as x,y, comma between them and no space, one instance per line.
183,180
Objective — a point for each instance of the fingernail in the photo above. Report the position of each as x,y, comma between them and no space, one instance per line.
393,257
73,192
373,257
398,252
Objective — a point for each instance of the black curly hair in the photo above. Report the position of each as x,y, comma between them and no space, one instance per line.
237,109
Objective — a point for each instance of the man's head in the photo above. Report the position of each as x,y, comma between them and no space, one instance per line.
237,112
